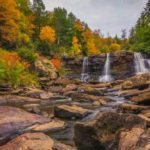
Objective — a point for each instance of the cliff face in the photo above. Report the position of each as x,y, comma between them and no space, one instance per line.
121,64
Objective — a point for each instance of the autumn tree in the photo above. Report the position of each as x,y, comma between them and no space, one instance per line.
75,50
115,47
48,35
91,48
9,23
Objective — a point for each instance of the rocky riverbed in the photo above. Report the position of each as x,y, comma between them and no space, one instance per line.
66,115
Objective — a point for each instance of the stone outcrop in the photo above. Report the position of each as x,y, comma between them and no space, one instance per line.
44,68
122,65
102,132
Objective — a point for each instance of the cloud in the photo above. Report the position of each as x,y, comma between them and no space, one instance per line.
108,15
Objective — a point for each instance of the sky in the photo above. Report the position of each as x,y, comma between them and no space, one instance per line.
111,16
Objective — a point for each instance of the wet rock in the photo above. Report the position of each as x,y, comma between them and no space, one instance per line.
37,93
147,119
70,112
134,139
92,91
86,97
70,87
13,99
122,65
129,93
33,108
35,141
55,89
146,113
14,121
101,133
64,81
53,125
60,146
131,108
140,82
142,98
30,141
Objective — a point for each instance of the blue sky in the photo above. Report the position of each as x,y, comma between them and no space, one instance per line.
108,15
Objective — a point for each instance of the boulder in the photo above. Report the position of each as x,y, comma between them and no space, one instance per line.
30,141
134,139
142,98
91,98
101,133
35,141
44,67
92,90
70,112
14,121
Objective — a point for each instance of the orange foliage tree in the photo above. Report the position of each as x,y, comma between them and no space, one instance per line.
9,22
14,71
48,35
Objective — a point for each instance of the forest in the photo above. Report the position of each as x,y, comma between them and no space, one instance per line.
65,86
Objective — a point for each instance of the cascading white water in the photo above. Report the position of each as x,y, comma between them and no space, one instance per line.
106,77
140,66
84,74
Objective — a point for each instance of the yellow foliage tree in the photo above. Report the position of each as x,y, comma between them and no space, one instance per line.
92,50
90,43
48,35
9,22
79,26
76,46
115,47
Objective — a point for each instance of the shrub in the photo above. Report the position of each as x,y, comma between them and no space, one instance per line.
56,62
14,71
27,54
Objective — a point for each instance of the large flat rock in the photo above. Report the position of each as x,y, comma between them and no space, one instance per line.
14,121
70,112
142,98
30,141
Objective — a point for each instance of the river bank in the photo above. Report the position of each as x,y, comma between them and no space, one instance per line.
64,112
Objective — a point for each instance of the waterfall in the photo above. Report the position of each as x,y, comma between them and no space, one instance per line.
84,74
140,63
106,77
